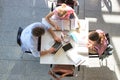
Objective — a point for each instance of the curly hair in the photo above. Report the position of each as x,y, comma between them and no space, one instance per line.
94,36
38,31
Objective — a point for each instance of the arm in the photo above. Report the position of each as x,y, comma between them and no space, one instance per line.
91,46
37,53
54,35
47,51
50,21
78,22
102,35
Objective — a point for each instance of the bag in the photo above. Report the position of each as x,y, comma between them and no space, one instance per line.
107,52
63,69
109,49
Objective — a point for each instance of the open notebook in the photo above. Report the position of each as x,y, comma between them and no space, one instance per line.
72,54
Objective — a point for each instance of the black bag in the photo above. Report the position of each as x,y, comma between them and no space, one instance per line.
107,52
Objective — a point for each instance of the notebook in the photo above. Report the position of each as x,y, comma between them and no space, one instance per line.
75,57
72,54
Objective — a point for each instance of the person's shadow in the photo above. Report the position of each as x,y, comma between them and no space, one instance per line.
98,73
108,5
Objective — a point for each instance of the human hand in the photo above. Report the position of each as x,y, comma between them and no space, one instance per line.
57,28
91,47
57,39
52,49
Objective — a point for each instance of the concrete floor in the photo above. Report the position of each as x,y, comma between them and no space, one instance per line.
102,14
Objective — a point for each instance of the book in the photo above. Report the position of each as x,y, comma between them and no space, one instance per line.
73,54
75,57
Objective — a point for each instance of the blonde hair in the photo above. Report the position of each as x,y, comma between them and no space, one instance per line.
61,10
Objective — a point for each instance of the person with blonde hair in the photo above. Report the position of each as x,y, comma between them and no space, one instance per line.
63,12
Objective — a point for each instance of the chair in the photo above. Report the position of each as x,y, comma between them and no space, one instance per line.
18,36
58,70
19,41
105,53
68,2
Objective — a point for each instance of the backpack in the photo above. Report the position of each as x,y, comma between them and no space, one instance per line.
107,52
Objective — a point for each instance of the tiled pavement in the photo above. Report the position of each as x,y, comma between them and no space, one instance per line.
102,14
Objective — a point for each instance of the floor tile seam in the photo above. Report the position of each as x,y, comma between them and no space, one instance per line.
18,60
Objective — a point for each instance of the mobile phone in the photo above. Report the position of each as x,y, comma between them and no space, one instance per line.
67,47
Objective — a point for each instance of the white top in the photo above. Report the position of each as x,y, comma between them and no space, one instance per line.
30,42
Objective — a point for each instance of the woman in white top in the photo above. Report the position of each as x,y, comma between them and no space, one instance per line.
63,12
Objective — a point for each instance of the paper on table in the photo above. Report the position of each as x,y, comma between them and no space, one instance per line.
74,24
75,57
63,24
79,38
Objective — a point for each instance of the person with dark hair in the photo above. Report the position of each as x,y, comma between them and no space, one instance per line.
38,31
29,38
97,42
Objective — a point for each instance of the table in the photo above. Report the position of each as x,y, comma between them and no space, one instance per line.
60,57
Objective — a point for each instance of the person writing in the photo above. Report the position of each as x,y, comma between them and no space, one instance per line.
97,42
62,12
29,38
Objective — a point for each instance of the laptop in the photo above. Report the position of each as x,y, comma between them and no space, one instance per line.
57,46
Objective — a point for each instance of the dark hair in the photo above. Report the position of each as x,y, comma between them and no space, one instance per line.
38,31
94,36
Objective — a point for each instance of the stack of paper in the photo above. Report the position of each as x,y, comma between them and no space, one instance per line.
75,57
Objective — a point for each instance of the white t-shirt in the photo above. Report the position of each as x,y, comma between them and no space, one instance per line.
30,42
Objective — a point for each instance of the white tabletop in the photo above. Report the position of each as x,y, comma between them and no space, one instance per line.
61,56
